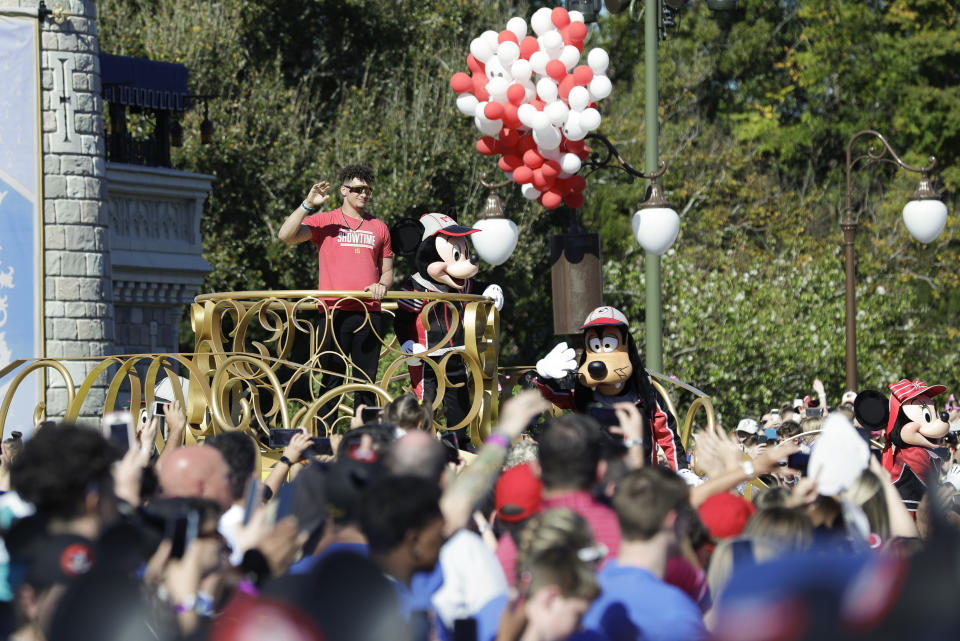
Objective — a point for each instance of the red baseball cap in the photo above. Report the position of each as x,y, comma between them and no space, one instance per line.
443,224
726,514
605,315
517,495
906,390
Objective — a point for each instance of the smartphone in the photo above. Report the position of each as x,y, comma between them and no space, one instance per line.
281,437
182,530
762,439
465,629
798,461
814,412
285,500
161,418
771,433
252,499
451,446
119,430
604,415
321,447
371,414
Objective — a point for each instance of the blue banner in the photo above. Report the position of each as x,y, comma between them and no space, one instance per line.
21,206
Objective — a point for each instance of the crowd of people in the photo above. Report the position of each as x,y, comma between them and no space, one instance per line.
550,531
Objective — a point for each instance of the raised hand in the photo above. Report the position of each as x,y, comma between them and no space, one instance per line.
318,195
558,363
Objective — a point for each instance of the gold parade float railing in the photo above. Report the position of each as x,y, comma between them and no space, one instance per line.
256,366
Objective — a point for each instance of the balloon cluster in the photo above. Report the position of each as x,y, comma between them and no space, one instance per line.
535,103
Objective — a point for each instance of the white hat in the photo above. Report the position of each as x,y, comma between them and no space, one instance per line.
748,425
434,223
605,315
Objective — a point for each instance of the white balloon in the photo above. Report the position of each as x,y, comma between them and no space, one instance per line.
576,16
557,112
542,20
539,60
526,113
552,43
598,60
529,191
521,70
492,38
570,56
508,52
480,50
518,26
569,164
487,126
467,104
497,88
578,99
496,69
531,91
600,87
590,119
547,90
540,121
572,128
547,138
550,154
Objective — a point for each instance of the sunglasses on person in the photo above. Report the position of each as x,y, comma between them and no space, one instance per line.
359,189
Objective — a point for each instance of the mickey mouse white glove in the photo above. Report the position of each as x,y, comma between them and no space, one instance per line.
409,347
496,293
558,363
953,477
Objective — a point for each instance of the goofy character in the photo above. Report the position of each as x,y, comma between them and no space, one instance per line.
443,264
610,372
914,433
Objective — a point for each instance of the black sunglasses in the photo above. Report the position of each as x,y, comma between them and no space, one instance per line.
359,189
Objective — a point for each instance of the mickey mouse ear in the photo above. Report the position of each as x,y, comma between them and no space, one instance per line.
871,409
405,236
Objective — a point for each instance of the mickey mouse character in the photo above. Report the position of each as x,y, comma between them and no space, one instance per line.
609,372
444,264
914,431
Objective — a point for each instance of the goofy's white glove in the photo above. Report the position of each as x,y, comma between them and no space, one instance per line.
953,477
496,293
409,347
558,363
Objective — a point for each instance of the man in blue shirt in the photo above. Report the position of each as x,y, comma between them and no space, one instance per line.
635,603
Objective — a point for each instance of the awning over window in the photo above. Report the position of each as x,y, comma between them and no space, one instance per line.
138,82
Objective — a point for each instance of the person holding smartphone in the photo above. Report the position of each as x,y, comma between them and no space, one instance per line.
353,253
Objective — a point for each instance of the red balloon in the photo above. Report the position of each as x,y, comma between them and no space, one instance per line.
480,88
508,138
506,34
539,104
475,65
538,180
509,163
522,174
566,85
574,200
516,93
532,158
555,68
510,117
560,17
562,186
550,169
526,142
577,31
461,82
550,199
528,47
583,75
488,146
565,34
493,110
573,146
577,183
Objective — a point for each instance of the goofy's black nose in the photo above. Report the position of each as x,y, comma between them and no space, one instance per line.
597,370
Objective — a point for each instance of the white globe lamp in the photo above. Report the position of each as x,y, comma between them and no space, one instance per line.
925,215
656,224
498,235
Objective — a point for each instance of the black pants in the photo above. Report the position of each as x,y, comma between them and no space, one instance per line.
356,338
456,400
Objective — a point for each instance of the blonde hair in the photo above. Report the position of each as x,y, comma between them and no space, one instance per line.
559,527
867,493
783,527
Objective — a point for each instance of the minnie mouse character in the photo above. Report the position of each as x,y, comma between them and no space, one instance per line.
444,264
609,372
914,433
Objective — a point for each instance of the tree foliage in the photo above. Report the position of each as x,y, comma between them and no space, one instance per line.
755,111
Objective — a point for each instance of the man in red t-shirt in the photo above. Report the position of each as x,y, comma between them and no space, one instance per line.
353,253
